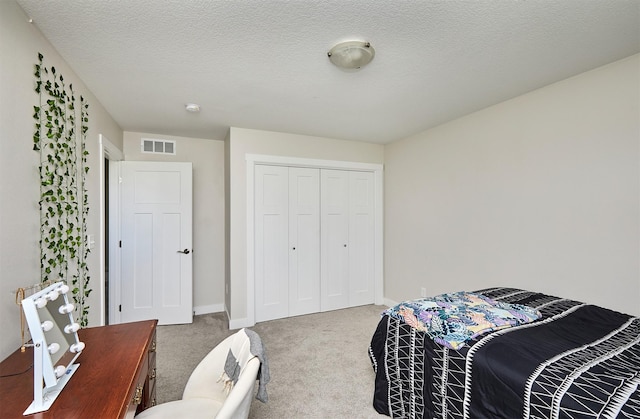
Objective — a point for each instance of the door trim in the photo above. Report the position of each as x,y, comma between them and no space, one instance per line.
109,151
252,160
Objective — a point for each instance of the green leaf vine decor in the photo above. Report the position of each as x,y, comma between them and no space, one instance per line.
61,124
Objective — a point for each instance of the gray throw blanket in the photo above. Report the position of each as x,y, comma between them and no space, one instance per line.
232,368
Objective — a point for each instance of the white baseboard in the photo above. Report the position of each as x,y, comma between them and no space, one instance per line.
239,323
213,308
219,308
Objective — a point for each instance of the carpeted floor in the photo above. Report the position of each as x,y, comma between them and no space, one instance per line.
318,362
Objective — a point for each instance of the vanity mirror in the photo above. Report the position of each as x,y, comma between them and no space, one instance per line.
55,343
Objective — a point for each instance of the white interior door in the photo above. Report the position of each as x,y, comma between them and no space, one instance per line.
304,241
335,239
361,238
156,248
271,242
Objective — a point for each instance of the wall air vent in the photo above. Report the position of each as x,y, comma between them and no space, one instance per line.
151,145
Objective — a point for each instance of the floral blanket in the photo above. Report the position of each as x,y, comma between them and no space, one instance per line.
455,318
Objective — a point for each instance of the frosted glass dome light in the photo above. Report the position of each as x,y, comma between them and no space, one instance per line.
351,55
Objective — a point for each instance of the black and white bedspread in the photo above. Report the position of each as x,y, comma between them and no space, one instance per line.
577,361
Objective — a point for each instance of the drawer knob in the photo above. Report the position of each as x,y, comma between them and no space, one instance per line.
137,397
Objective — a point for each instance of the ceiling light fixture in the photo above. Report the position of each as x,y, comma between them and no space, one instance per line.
192,107
351,55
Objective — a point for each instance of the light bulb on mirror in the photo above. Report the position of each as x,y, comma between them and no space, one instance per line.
53,348
52,295
66,308
71,328
47,325
76,347
41,302
60,370
64,288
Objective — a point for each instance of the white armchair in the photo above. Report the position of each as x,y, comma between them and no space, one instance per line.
206,395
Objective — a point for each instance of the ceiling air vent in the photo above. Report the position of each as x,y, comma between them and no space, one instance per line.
150,145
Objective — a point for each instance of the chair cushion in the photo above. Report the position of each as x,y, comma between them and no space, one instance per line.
191,408
204,380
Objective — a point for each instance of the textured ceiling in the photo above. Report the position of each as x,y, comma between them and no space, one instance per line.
263,64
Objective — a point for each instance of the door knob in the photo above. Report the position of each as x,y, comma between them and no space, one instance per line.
185,251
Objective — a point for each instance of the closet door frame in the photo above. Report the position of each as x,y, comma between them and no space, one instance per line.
254,159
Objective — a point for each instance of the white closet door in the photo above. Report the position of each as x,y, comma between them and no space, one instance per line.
271,242
304,241
335,239
361,238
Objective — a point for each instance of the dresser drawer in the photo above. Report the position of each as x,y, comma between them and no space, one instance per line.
150,383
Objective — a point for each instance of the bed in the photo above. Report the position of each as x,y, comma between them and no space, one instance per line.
575,361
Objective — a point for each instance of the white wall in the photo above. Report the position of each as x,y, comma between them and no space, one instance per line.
20,43
207,157
245,141
539,192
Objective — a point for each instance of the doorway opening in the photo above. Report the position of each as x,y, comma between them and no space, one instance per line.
105,243
110,156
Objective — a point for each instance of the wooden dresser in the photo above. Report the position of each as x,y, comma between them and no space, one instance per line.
116,377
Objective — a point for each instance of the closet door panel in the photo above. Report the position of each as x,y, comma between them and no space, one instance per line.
271,242
304,241
361,238
334,239
314,240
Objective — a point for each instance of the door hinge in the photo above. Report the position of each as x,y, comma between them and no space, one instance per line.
120,243
120,308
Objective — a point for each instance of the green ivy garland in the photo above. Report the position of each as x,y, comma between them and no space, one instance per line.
63,195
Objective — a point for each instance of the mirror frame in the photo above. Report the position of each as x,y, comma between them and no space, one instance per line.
44,369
